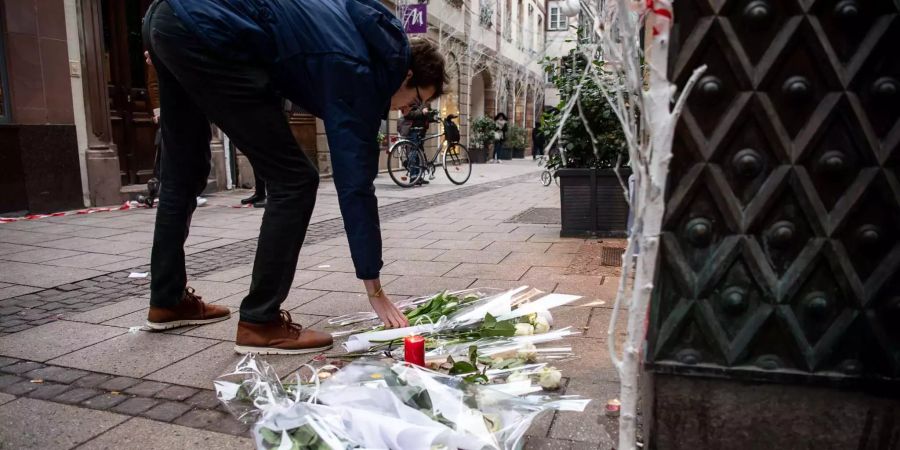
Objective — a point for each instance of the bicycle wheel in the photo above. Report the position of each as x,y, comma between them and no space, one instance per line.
546,178
404,163
457,164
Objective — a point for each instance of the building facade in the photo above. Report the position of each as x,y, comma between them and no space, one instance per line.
76,124
562,35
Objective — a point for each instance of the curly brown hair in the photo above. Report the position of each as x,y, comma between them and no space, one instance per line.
427,65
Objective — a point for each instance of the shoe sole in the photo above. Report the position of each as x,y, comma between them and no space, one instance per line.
243,350
160,326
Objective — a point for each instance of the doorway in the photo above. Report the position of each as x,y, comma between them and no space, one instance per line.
131,114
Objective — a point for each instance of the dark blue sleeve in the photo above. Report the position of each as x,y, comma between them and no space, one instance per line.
351,123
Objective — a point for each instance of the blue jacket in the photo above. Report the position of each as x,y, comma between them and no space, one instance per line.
342,60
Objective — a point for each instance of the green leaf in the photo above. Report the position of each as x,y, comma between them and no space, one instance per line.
270,437
304,436
479,378
462,367
473,354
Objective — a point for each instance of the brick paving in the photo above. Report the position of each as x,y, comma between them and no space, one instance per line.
64,331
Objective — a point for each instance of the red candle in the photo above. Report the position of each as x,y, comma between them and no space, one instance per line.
414,350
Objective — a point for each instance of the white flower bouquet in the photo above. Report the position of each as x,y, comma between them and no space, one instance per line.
374,404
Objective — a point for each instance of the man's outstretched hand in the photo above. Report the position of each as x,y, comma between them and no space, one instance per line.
386,310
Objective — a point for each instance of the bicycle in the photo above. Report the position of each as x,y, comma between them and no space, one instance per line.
407,162
547,175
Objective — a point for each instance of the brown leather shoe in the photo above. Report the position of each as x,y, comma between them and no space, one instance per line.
190,311
279,337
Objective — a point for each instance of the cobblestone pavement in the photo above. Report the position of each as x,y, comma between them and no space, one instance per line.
73,372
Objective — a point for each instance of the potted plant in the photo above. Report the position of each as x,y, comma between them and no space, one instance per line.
592,202
482,137
515,142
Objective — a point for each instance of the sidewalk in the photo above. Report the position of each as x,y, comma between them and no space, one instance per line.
67,304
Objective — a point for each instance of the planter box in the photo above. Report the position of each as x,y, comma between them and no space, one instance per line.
506,153
592,203
478,155
518,153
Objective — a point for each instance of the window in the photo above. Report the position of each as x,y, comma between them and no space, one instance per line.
557,20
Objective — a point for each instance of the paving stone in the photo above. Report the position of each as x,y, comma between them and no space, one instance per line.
6,398
448,244
204,399
549,444
492,271
540,259
152,435
331,265
105,313
200,418
134,406
166,411
134,355
104,401
412,254
419,268
593,359
21,388
59,426
337,303
345,282
55,339
418,285
119,384
48,391
9,380
301,277
230,425
87,260
57,374
92,380
473,256
42,276
590,425
146,388
76,395
178,393
200,369
4,361
22,367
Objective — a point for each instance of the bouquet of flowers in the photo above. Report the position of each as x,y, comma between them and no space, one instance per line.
375,404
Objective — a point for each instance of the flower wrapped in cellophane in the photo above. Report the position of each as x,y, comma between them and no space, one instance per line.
375,404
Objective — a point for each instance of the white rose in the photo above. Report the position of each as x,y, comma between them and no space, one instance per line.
524,329
550,378
546,316
517,376
527,353
541,326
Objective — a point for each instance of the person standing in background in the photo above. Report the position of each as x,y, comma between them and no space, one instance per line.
499,135
537,140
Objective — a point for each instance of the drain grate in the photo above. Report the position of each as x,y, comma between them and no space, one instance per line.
542,216
611,256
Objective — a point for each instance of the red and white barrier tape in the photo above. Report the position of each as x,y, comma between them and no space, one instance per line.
125,206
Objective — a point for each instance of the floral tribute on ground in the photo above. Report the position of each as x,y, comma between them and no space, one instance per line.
483,373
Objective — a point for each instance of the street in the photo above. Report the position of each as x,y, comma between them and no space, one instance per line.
76,371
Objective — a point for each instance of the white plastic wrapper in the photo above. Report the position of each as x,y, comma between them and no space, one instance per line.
378,405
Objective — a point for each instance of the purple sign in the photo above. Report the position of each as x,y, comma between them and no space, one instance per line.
415,19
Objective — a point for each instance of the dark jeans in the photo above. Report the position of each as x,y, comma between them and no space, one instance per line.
197,87
498,150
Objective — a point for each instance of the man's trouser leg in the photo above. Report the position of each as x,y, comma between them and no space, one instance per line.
237,97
